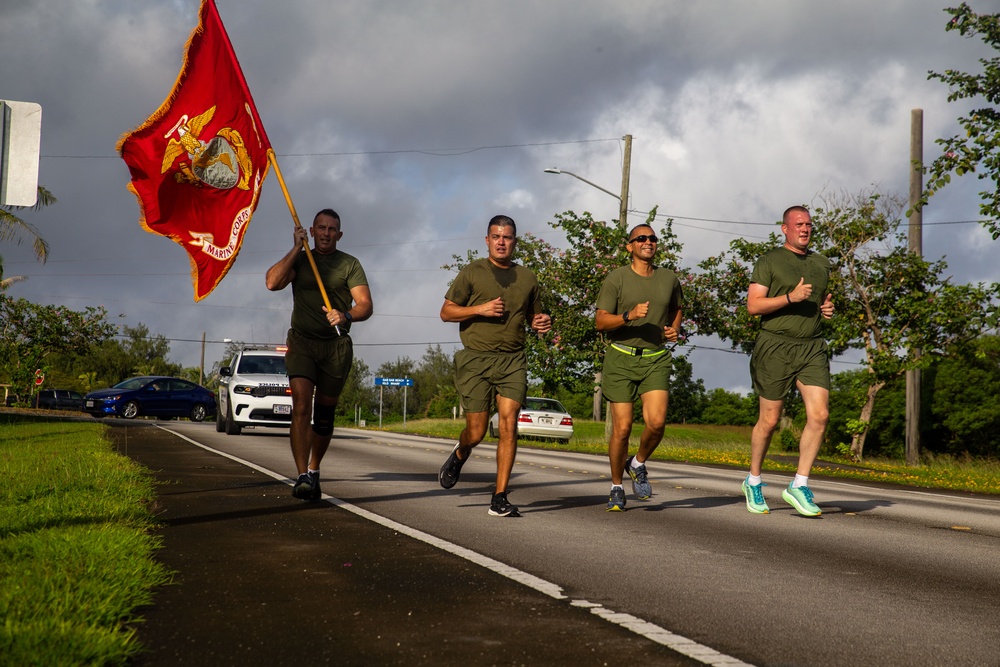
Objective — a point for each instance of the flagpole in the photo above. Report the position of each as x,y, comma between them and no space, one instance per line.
295,217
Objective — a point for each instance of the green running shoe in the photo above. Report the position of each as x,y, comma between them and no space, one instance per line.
802,500
755,498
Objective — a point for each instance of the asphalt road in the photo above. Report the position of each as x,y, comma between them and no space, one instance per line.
885,576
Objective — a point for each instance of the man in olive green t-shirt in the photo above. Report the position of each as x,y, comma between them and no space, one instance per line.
320,351
492,299
788,289
638,311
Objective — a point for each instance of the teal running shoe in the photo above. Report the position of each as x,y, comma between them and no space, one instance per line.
755,498
801,499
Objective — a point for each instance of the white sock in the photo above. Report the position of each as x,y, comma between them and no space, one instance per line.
617,486
754,480
635,463
800,480
312,472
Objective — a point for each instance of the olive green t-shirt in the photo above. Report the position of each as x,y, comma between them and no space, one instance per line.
623,289
482,281
780,269
340,272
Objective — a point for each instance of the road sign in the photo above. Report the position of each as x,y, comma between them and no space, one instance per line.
39,377
20,139
393,382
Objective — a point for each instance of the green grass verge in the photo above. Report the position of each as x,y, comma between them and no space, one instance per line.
76,556
730,446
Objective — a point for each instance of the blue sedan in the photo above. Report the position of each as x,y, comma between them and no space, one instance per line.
154,396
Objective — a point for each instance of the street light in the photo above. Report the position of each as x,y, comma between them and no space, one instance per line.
555,170
622,215
623,197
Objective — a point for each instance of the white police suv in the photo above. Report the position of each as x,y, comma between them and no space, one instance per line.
254,391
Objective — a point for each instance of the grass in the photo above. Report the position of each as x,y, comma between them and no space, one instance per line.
76,556
730,446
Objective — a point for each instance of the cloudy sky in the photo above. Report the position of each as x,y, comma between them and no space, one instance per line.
419,120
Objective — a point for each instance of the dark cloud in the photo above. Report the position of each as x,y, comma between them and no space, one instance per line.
737,110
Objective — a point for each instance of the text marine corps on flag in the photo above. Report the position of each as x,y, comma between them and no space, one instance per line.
199,162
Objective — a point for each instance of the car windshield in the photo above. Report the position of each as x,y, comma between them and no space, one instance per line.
262,365
132,383
548,404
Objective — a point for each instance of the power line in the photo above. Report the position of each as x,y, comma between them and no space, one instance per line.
437,152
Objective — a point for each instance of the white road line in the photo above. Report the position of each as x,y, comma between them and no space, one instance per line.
634,624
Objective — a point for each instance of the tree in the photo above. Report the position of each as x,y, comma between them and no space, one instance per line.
728,408
890,302
687,395
359,392
138,354
964,409
29,333
434,394
14,228
392,397
978,147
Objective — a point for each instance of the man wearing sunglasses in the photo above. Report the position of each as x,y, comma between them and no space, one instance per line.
493,300
788,291
638,311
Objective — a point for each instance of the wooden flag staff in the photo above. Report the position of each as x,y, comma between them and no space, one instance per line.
295,216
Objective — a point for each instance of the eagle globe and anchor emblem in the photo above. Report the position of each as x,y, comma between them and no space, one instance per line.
221,162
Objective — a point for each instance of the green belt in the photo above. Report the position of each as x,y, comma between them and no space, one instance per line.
638,351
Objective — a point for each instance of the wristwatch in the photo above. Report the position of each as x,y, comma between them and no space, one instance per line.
625,317
347,316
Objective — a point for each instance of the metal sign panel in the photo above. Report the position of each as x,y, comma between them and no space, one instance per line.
20,140
393,382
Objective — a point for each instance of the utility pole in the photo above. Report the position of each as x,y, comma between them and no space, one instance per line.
626,169
623,223
916,247
201,368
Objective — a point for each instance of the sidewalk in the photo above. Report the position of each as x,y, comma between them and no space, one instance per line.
265,579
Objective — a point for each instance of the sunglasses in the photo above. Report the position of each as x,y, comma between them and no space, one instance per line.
642,239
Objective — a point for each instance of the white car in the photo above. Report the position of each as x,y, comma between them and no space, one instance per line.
540,418
254,391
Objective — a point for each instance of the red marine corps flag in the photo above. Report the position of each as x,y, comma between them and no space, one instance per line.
199,162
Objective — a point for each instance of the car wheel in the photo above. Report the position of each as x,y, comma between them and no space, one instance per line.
232,428
220,423
130,410
199,412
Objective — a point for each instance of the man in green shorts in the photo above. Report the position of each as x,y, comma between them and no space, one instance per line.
638,311
320,351
788,291
492,299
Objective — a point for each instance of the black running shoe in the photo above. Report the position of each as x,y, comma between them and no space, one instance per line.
616,501
640,480
448,476
303,489
316,493
499,506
